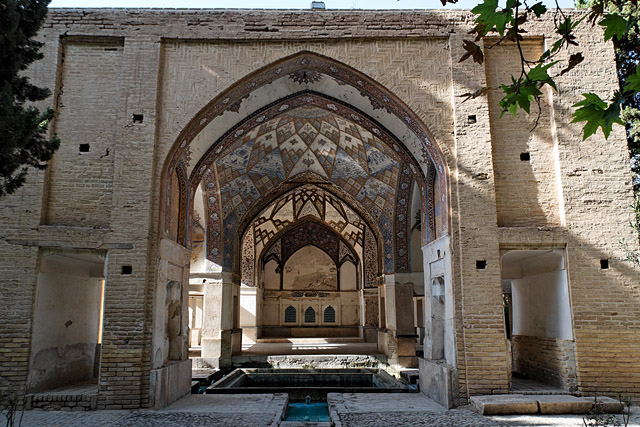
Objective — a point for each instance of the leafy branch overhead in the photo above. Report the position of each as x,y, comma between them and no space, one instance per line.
23,128
495,25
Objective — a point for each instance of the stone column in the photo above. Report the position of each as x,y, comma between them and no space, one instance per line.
370,315
221,308
250,311
398,341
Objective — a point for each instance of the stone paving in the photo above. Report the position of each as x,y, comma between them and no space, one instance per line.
347,409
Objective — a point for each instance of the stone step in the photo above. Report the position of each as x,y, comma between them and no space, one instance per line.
312,340
310,361
519,404
205,376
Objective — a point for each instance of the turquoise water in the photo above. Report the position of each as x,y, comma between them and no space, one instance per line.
301,411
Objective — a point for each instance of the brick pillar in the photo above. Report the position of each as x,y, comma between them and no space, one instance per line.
126,340
482,351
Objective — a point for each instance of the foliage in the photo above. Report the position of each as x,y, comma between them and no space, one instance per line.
618,18
633,256
23,127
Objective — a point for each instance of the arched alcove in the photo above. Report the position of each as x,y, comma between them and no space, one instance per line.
291,124
538,313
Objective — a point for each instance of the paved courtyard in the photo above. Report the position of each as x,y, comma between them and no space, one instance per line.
347,409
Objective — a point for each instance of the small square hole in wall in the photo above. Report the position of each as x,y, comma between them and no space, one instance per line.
481,264
471,119
83,148
525,157
127,269
604,264
138,118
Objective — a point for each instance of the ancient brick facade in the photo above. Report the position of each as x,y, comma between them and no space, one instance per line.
129,82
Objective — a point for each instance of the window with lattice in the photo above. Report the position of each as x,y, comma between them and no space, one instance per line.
309,315
329,315
290,314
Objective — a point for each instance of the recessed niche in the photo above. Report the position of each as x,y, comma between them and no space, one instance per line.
138,118
471,119
83,148
481,264
127,269
525,157
604,264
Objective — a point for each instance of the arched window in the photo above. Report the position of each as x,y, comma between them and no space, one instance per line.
290,314
329,315
309,315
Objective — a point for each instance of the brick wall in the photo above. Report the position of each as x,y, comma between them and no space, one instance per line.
80,182
169,64
547,360
526,190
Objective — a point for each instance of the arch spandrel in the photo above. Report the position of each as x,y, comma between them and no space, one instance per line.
308,71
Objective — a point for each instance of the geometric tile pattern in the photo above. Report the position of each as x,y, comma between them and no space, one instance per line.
308,139
401,230
309,201
370,260
307,67
248,259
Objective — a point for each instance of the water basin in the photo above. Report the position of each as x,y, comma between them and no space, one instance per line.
316,383
301,411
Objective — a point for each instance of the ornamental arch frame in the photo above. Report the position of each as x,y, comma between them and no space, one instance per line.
304,67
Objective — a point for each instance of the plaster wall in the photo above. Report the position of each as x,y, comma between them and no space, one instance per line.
250,312
310,269
541,305
66,321
346,305
271,276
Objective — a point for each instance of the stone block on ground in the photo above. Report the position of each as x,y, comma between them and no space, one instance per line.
563,404
608,405
504,404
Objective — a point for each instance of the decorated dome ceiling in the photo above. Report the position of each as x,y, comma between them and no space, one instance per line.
308,140
309,201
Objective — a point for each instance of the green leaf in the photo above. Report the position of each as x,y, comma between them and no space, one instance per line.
539,74
612,114
615,25
589,129
565,26
491,19
633,82
539,9
597,114
524,102
590,98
